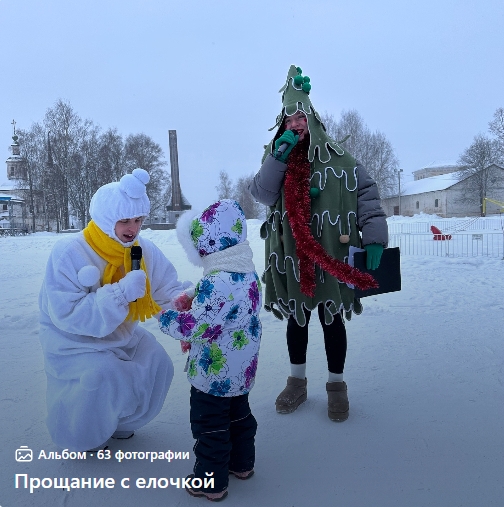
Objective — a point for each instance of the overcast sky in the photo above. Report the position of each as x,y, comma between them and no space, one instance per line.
428,74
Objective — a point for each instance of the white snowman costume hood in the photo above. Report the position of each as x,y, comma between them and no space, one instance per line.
120,200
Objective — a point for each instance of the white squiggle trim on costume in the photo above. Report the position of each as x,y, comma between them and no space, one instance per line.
338,221
293,267
287,257
270,220
308,110
327,145
322,272
266,229
293,85
290,308
343,173
293,310
320,220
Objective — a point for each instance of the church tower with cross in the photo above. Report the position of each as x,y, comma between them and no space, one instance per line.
16,167
13,211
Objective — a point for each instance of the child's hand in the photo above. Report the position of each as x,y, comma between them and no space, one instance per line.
183,302
190,290
185,346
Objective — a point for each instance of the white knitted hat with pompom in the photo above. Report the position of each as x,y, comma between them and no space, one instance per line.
126,198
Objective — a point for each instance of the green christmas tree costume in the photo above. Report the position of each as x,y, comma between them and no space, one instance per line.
333,189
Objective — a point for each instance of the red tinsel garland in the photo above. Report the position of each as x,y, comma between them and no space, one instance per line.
308,250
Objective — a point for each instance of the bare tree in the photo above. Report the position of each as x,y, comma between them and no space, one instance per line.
381,163
32,149
249,205
68,131
225,188
68,159
239,191
373,150
141,151
350,131
111,156
479,171
496,126
85,175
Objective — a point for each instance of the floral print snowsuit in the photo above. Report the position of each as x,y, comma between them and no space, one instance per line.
223,323
224,330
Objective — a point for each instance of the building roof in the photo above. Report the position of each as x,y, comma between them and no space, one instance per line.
441,182
440,163
14,158
7,186
10,197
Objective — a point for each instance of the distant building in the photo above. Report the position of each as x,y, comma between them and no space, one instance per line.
20,208
436,170
12,209
13,213
440,194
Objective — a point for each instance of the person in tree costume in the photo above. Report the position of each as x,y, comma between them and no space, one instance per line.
321,201
222,330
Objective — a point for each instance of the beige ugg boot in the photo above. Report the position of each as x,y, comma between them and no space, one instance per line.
337,401
292,396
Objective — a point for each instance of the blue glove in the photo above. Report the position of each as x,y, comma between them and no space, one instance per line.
289,138
373,255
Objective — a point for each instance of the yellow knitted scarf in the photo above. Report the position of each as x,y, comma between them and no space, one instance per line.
116,255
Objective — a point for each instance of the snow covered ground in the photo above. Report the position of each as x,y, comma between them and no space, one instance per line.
425,372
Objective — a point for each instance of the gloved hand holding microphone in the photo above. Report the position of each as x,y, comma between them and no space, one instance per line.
133,285
285,143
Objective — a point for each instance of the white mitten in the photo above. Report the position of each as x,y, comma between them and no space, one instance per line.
133,285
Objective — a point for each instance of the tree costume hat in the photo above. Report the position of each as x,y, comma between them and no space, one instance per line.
318,204
295,97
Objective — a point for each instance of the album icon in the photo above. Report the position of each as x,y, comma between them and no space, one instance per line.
24,454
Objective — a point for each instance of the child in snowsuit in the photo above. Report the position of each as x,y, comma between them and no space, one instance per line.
224,332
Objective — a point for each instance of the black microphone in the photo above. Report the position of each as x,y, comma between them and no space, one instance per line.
284,146
136,257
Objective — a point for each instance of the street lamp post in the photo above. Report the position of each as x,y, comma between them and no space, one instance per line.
399,174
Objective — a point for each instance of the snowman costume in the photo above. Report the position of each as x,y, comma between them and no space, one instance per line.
106,374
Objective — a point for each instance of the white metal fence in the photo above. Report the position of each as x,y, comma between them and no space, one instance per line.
448,225
488,244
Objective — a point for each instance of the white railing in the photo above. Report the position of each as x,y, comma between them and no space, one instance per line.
490,244
448,225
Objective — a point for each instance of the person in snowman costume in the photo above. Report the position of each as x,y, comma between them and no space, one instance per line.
106,375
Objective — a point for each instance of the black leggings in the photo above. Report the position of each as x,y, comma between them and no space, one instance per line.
335,341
